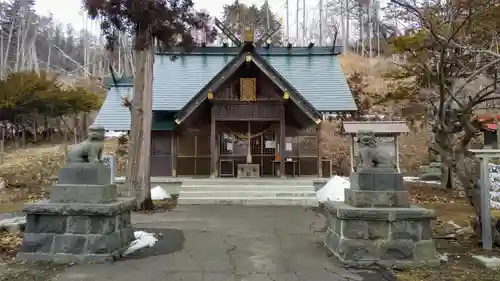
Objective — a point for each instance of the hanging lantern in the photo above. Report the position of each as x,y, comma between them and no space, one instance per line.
210,95
286,95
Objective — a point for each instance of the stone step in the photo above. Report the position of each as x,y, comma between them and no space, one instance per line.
240,182
257,201
195,187
246,193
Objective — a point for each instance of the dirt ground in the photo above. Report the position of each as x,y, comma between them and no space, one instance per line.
458,245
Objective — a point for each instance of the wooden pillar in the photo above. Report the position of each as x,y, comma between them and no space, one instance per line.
318,150
282,144
497,143
213,147
396,151
351,153
174,154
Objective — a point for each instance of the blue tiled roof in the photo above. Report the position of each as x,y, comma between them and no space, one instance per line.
318,78
176,82
112,115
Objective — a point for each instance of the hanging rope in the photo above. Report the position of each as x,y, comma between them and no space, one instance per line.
245,136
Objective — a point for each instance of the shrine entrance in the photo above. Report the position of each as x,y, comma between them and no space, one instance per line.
248,148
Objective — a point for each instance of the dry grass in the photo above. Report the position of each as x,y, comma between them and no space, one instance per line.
450,206
9,244
29,166
372,68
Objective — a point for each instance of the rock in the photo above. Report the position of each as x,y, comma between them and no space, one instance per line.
451,236
13,224
450,227
465,231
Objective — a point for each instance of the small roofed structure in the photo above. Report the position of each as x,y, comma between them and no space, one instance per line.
387,129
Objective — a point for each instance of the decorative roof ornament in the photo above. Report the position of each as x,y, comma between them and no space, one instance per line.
230,35
248,35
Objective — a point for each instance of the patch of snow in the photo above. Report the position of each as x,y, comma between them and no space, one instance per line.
158,193
333,190
142,240
12,224
417,180
442,257
113,134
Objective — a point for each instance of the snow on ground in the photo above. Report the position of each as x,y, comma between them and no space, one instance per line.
416,179
142,240
114,134
158,193
333,190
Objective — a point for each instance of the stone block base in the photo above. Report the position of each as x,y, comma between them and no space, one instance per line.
431,172
83,193
370,199
377,179
67,258
85,173
399,237
78,233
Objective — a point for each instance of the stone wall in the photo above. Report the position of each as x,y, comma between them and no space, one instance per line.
76,234
391,238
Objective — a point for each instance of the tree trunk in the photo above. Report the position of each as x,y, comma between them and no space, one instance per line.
447,177
84,125
144,199
137,174
48,136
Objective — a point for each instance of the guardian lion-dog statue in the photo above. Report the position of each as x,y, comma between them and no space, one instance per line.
370,154
89,150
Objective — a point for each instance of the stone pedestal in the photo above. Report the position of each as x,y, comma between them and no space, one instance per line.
432,172
376,223
81,222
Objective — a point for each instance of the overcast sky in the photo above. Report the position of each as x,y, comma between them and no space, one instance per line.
68,11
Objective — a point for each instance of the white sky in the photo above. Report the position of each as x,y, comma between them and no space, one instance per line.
68,11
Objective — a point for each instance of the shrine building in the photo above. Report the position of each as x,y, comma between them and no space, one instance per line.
242,111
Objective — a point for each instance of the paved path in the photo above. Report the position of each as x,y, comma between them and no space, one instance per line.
223,243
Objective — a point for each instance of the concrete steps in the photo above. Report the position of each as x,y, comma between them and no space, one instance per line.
272,188
242,182
248,192
257,201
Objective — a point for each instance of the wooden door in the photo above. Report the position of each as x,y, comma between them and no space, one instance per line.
161,154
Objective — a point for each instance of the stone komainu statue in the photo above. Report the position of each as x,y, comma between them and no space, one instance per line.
89,150
369,154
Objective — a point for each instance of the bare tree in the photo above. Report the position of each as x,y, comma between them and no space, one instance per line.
451,59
